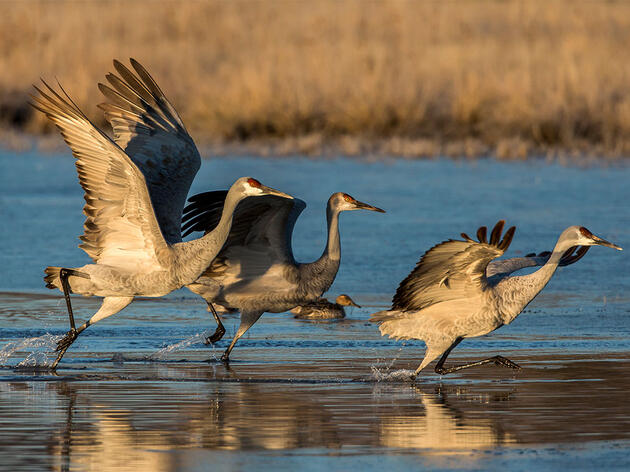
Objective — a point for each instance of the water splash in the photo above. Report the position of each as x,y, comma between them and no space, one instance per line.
400,375
381,370
163,353
39,348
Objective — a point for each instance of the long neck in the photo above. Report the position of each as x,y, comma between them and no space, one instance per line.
517,292
333,245
320,274
195,256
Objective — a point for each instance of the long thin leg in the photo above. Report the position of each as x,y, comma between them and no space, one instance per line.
248,318
498,360
63,276
68,339
220,331
110,306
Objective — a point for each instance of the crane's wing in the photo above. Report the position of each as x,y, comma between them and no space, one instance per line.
153,135
120,228
260,236
506,267
452,270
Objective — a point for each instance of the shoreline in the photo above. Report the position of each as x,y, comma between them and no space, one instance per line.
318,146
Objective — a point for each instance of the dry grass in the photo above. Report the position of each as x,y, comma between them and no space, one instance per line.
408,77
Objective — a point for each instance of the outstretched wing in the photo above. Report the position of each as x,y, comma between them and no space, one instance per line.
506,267
452,270
260,236
153,135
120,228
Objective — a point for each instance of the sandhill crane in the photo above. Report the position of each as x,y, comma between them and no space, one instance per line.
134,248
255,271
454,292
322,309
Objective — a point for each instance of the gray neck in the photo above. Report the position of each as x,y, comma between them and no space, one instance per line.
320,274
195,256
518,292
333,245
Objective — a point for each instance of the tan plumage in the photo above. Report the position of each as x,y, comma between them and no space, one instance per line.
120,228
450,295
121,232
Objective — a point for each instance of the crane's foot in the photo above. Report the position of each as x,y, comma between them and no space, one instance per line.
502,361
497,360
225,358
63,345
216,337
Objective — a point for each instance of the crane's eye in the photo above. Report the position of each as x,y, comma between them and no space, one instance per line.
586,233
348,198
254,183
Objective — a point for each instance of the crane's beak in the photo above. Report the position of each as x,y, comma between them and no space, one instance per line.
272,191
364,206
602,242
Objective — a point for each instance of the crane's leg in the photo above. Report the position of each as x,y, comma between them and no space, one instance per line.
68,339
220,331
110,306
248,318
498,360
63,277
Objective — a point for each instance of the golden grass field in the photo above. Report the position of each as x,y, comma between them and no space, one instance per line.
510,78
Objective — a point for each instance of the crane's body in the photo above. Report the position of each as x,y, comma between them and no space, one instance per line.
125,226
255,271
449,296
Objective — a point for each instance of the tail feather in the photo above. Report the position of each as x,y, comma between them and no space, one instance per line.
52,278
386,315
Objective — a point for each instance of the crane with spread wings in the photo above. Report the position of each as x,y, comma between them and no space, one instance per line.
456,291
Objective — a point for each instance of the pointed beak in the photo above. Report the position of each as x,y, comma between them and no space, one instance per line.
354,304
364,206
603,242
272,191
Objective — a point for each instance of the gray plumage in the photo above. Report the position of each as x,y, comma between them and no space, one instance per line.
456,292
256,272
322,309
122,234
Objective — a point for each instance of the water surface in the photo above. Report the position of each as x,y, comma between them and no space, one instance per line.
139,391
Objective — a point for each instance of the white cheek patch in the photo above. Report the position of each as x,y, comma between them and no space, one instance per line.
253,190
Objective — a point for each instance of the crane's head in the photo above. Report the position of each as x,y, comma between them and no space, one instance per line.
580,236
251,187
345,300
344,202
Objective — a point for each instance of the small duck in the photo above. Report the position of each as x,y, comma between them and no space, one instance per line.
322,309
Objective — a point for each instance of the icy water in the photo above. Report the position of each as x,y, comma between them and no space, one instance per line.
140,391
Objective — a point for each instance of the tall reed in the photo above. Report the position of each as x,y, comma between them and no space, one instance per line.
511,77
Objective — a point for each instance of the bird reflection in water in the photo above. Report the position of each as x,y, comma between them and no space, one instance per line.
439,429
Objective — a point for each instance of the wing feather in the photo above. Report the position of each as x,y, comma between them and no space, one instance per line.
451,270
260,236
120,228
153,135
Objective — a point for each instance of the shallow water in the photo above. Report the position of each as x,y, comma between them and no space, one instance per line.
140,391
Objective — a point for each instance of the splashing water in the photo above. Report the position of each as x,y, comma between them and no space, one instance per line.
381,370
163,353
36,357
